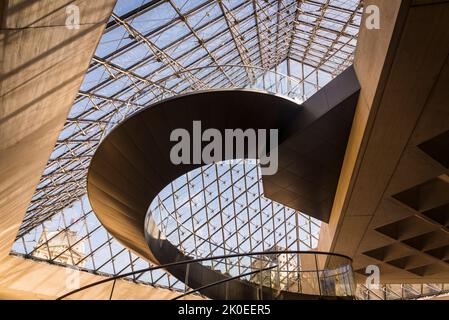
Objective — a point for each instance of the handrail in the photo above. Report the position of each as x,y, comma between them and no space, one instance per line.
222,281
188,261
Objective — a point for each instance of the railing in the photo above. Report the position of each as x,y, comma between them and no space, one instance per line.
320,275
398,291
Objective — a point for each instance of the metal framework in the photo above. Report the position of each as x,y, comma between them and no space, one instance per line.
153,49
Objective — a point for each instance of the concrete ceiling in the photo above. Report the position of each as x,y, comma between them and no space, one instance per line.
391,208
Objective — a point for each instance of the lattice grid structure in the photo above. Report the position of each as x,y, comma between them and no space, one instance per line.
219,209
151,50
